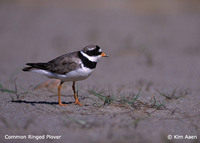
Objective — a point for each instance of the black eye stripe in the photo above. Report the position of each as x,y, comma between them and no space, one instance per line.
92,50
93,53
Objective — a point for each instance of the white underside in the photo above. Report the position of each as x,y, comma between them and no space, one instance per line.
76,75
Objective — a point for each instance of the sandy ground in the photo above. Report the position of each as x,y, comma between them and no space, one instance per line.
157,52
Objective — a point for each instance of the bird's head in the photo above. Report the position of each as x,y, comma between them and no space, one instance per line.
93,53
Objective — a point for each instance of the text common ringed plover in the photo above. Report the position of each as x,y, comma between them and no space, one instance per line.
73,67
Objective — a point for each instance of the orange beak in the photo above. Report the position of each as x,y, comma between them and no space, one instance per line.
104,55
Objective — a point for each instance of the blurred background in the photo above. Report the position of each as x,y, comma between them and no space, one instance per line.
141,36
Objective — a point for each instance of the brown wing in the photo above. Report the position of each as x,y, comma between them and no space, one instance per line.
64,63
60,65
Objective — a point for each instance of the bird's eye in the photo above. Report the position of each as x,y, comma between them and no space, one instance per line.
94,52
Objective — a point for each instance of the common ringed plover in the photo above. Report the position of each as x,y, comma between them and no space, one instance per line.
73,67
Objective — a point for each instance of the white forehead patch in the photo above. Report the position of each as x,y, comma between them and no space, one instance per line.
91,49
100,50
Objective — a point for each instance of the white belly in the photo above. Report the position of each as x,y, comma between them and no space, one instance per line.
79,74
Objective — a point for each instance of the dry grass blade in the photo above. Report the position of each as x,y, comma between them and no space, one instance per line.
156,104
136,97
6,90
166,95
173,95
19,95
106,99
103,98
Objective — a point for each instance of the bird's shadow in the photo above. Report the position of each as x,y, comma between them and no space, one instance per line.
38,102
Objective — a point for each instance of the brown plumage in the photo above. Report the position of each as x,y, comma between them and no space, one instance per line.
60,65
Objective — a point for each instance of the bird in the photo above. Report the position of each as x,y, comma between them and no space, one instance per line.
70,67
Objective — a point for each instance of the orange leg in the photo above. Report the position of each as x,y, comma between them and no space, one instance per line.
75,95
59,88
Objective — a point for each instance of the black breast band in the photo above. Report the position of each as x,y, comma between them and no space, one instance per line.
86,62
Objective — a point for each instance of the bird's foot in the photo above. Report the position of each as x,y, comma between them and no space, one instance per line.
77,102
61,104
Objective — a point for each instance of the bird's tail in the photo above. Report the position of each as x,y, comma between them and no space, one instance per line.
27,69
32,66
